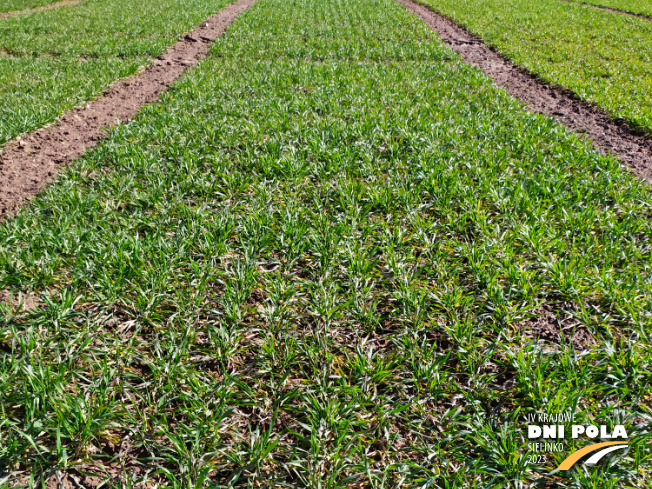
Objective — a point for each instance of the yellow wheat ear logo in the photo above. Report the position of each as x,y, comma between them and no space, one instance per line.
574,457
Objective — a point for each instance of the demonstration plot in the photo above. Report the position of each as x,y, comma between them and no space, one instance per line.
335,256
32,161
13,5
642,7
603,57
56,59
609,136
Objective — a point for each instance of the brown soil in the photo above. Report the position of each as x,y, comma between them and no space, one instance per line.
547,326
112,473
26,300
28,163
608,135
6,15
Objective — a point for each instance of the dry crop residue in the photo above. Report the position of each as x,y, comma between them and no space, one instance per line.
28,163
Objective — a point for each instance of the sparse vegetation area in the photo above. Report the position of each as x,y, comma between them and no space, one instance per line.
334,255
603,57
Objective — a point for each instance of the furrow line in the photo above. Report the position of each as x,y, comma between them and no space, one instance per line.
14,13
609,136
29,162
611,9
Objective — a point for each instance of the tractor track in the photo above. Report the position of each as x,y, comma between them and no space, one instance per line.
611,9
29,162
14,13
609,136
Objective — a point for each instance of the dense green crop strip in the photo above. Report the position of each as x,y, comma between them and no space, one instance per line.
314,264
635,6
11,5
604,57
53,60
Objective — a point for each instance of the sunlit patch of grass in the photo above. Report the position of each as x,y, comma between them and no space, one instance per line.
13,5
603,57
319,262
54,60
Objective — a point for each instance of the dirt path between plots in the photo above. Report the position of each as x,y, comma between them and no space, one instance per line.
29,162
14,13
607,134
612,9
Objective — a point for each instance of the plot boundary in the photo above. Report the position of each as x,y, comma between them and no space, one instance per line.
15,13
29,162
611,9
608,135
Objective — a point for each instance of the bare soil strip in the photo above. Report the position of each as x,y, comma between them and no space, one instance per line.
608,135
6,15
29,162
612,9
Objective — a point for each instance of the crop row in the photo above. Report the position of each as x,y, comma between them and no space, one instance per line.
324,261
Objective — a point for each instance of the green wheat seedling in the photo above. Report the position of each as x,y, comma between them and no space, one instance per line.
332,256
602,57
54,60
